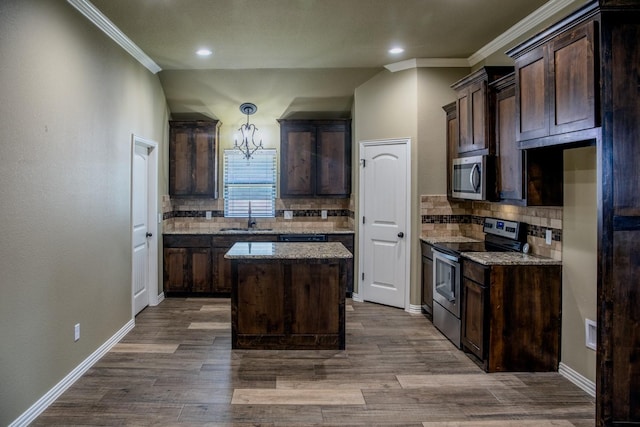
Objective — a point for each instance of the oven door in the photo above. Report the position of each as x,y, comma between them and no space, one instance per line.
446,282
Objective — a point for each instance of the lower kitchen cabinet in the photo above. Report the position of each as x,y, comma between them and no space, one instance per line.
511,316
427,279
348,241
187,265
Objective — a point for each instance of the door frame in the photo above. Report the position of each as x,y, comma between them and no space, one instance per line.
408,241
152,219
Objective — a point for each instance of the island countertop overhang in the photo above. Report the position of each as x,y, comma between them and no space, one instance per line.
288,250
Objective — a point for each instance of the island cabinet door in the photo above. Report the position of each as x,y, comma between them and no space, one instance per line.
315,288
260,294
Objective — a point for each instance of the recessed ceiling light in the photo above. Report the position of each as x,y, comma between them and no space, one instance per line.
396,50
204,52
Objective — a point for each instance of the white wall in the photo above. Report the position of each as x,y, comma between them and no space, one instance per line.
70,101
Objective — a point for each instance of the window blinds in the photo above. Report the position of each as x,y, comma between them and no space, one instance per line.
250,181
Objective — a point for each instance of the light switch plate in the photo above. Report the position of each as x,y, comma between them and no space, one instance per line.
288,214
207,214
547,238
323,213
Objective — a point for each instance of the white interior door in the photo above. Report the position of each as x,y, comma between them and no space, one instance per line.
384,253
141,234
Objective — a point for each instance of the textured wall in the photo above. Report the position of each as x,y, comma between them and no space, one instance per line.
71,100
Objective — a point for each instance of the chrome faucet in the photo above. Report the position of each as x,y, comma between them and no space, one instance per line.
251,223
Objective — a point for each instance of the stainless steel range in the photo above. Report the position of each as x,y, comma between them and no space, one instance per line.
500,236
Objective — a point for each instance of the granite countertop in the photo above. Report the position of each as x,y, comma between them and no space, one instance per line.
241,231
509,258
448,239
287,250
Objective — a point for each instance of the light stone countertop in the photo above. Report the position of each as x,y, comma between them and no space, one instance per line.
240,231
288,250
447,239
508,258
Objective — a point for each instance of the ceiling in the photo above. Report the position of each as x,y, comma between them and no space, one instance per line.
300,55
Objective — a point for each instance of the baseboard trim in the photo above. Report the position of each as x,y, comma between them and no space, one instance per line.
578,379
414,309
160,298
357,298
43,403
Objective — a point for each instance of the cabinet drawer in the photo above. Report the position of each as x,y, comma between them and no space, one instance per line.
186,241
476,272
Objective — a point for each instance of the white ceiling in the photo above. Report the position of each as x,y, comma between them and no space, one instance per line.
295,42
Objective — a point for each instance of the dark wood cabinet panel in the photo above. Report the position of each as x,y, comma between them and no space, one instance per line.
556,85
427,279
288,304
511,316
348,241
452,140
187,269
193,160
474,315
474,110
315,158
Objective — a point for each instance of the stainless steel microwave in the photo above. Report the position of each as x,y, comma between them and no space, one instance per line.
470,177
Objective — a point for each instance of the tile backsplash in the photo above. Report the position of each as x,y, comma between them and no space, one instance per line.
441,217
192,213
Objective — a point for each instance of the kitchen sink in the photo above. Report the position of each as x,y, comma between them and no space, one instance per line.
245,229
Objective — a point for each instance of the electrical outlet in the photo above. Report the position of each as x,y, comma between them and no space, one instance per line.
590,333
323,213
547,238
207,215
76,332
288,214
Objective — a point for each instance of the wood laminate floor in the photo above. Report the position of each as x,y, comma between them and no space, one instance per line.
177,368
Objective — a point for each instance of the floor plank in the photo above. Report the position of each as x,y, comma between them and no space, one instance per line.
176,368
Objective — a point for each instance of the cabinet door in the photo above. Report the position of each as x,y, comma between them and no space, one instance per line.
472,115
509,156
201,277
175,270
193,159
473,317
298,165
222,270
572,91
180,155
333,161
452,140
532,95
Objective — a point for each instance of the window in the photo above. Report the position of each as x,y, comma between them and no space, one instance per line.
250,181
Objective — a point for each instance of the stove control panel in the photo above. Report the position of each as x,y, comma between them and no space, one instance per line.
499,227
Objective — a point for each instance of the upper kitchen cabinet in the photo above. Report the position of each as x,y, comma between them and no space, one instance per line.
474,106
452,140
556,81
193,159
315,158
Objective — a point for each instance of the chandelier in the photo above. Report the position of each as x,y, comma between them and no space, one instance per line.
247,145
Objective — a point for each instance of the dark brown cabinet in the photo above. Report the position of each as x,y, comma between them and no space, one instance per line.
452,140
315,158
427,279
523,177
511,316
193,160
348,241
556,84
474,110
187,264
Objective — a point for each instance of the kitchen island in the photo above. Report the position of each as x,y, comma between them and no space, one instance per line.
288,295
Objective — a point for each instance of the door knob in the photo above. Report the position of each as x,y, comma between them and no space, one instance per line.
149,234
401,234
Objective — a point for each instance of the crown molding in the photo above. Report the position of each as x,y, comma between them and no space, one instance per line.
530,22
109,28
428,62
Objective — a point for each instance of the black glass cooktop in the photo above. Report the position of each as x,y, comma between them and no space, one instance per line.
454,248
